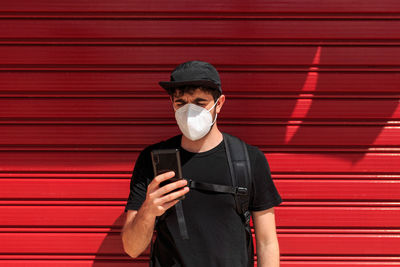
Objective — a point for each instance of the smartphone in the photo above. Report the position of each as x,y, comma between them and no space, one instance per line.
165,160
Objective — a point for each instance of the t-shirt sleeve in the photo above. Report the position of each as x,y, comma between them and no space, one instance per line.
141,177
264,193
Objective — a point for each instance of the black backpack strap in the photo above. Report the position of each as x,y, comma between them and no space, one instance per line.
239,166
180,216
217,188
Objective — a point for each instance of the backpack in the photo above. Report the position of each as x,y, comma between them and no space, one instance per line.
240,170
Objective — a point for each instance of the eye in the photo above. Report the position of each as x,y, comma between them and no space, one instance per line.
179,103
201,104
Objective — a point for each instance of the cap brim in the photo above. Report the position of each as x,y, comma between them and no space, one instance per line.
209,84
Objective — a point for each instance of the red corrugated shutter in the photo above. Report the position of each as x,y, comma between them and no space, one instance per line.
314,84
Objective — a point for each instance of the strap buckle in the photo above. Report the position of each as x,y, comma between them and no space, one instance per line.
241,191
246,217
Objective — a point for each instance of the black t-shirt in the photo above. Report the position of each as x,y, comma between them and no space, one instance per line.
217,234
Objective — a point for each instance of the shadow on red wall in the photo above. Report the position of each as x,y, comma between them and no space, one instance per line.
111,253
319,117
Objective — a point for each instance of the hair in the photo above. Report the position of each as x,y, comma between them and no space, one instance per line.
180,91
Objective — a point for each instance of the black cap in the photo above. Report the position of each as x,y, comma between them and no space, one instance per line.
194,73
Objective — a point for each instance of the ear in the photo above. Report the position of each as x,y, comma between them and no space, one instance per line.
171,98
220,103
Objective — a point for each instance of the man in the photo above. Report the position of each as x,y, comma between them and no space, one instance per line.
217,235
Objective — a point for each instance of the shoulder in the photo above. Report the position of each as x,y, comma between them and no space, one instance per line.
254,151
257,159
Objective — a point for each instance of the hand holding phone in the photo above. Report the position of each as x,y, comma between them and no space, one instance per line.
160,199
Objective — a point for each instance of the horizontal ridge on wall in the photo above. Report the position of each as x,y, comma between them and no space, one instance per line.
159,31
91,56
311,218
264,109
289,6
131,136
122,203
122,162
145,83
110,244
57,188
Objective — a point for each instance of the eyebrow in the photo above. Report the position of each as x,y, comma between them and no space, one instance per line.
199,99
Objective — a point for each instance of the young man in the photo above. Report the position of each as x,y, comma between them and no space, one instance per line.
216,232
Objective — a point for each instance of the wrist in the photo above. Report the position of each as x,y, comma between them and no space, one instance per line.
145,214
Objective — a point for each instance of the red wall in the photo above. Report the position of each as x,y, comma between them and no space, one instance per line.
315,84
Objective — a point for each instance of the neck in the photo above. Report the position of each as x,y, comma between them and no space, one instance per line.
208,142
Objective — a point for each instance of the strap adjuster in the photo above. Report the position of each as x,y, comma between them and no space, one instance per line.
241,190
247,216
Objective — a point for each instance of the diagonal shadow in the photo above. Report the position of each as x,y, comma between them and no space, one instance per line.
299,111
305,108
326,113
111,252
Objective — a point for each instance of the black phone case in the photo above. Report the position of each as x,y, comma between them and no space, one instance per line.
165,160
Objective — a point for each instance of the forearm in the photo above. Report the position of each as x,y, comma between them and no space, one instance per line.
138,229
268,254
137,235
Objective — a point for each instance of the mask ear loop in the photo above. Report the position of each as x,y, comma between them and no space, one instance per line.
215,112
213,105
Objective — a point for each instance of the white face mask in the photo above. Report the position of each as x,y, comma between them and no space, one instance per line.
194,121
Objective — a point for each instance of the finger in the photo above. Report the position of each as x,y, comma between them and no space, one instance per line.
160,178
170,187
174,195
